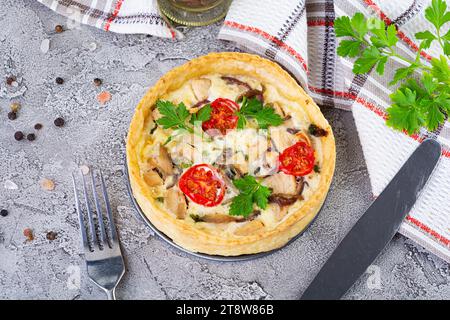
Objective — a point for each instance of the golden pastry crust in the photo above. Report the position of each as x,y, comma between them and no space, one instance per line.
185,233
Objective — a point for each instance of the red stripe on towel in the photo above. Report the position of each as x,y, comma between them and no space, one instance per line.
269,37
114,14
428,230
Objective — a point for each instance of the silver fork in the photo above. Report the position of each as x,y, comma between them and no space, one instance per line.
104,261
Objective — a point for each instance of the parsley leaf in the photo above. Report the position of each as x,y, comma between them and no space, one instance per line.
403,73
254,109
384,37
359,25
440,69
172,116
261,197
175,117
423,97
343,27
368,59
427,38
242,205
202,115
251,191
349,48
437,14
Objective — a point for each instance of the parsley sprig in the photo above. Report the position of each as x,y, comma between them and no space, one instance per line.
176,116
423,97
251,191
265,116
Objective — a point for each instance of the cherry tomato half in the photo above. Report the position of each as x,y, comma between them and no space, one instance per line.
297,160
203,184
223,116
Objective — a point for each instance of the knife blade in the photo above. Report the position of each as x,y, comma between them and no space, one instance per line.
378,225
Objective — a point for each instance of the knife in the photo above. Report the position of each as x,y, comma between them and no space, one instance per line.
376,227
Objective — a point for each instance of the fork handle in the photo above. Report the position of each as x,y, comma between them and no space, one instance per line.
111,294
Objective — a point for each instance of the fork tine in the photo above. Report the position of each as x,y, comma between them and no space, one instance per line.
108,210
101,225
90,213
84,238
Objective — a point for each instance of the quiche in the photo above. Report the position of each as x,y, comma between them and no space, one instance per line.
227,155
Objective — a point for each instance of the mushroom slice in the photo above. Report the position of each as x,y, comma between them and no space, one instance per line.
250,94
200,87
152,178
283,200
282,183
231,80
249,228
163,161
220,218
196,107
175,202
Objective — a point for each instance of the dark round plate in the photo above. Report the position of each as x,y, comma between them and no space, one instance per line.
203,255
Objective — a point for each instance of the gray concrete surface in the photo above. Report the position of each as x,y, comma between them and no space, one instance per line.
93,134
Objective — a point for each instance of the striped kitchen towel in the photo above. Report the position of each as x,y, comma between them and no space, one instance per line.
300,36
121,16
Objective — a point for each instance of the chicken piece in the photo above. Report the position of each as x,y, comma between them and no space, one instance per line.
249,228
267,165
241,163
185,153
278,110
282,183
175,202
156,114
162,161
152,178
279,211
282,139
200,87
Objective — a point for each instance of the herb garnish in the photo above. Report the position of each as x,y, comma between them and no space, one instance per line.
254,109
419,100
202,115
251,191
176,116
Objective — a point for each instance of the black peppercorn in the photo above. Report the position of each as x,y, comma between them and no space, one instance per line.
31,137
10,80
3,212
18,135
97,82
12,115
38,126
51,235
59,80
59,122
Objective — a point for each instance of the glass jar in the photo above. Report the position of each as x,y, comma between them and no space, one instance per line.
194,12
